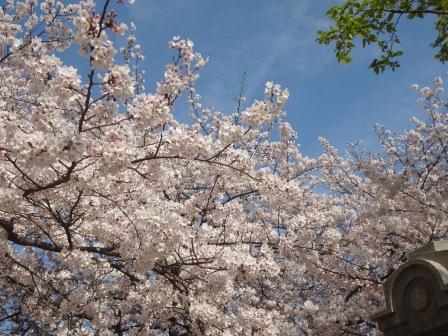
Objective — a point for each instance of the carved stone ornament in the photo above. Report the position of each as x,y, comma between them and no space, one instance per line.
417,295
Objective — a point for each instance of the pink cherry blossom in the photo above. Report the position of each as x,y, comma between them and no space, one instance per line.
116,218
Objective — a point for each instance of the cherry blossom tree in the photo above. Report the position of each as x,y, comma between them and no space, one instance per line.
115,218
118,219
398,201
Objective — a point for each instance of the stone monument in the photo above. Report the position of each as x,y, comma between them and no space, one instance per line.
417,295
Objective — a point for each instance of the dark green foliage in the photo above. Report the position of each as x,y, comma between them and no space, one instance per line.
376,22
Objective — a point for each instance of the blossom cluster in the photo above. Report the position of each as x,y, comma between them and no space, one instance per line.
119,219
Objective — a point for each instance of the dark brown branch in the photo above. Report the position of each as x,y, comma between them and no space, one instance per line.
246,193
204,211
352,292
110,251
206,160
414,11
87,103
63,179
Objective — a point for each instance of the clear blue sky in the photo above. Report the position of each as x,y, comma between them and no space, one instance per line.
275,40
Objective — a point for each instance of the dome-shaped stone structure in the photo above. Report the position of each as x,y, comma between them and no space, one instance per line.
417,295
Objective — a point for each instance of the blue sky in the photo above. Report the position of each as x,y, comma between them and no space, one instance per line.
275,40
